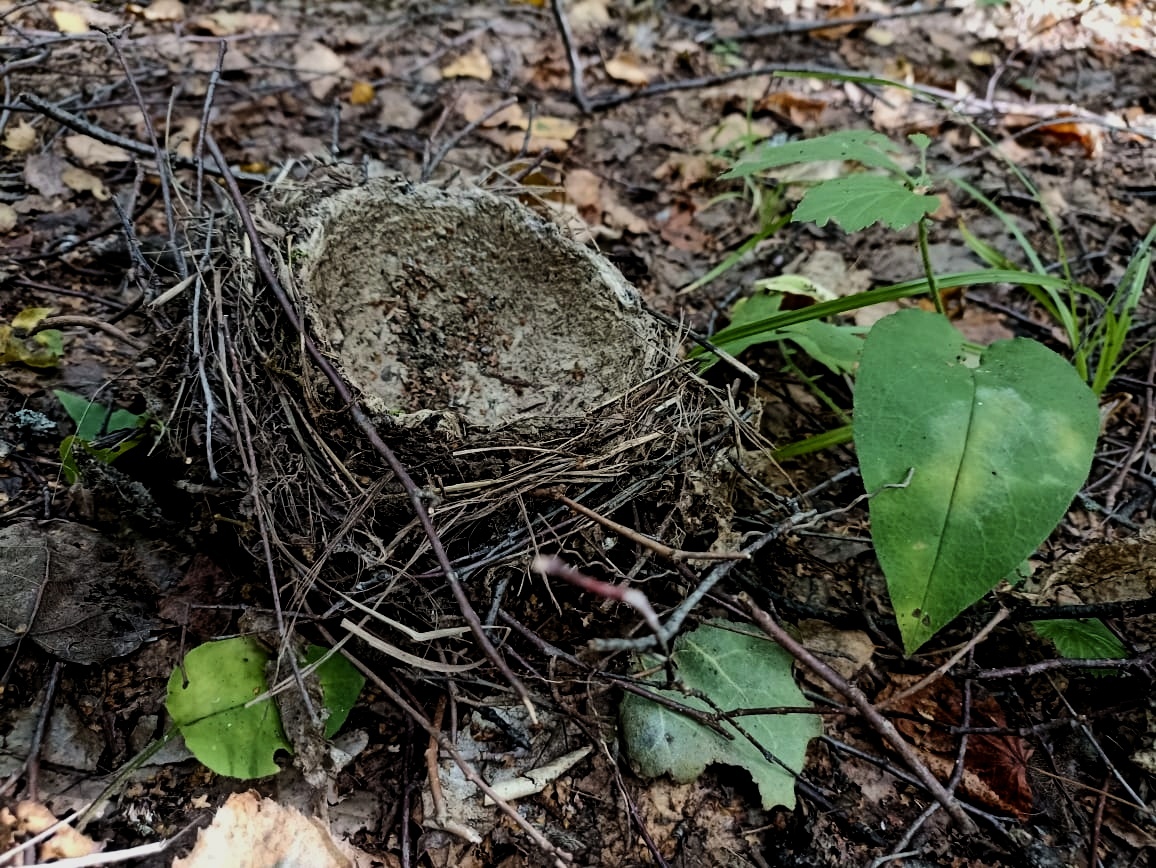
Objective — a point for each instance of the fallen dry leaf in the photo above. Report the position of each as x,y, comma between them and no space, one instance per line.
845,651
474,106
31,818
586,15
20,137
42,173
683,171
582,188
361,93
69,21
554,128
159,10
802,111
995,769
679,229
472,64
83,181
320,66
8,217
879,36
234,23
249,832
91,152
626,67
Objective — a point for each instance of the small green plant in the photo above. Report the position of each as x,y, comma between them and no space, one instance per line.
972,455
215,701
102,432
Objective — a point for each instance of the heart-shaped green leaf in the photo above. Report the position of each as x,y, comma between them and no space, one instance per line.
210,708
995,454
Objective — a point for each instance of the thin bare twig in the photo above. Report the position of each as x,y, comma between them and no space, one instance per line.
99,133
1141,445
654,545
577,88
674,621
943,668
431,162
792,28
60,322
561,858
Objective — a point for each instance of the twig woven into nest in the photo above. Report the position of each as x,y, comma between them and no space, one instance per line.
597,406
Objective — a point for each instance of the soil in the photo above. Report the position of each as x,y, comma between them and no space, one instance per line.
1054,761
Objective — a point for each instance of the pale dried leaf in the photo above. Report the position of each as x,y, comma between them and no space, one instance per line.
165,10
20,137
626,67
472,64
320,66
83,181
582,188
234,23
249,831
91,152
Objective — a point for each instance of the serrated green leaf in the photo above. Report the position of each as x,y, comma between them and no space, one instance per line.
996,453
210,710
862,146
1082,639
736,670
857,201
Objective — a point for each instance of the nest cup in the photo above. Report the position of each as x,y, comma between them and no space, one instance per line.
462,302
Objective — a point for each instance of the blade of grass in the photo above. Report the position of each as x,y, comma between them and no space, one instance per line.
894,292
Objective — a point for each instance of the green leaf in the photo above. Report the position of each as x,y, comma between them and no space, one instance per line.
210,710
996,454
894,292
857,201
862,146
340,683
1082,639
735,670
42,350
90,417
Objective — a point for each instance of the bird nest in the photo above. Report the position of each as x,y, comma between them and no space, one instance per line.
373,353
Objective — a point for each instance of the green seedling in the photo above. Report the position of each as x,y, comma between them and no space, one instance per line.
102,432
972,455
217,700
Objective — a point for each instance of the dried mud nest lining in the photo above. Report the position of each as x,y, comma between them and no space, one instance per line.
461,300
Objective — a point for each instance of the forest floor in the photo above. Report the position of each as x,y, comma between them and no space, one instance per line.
615,121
